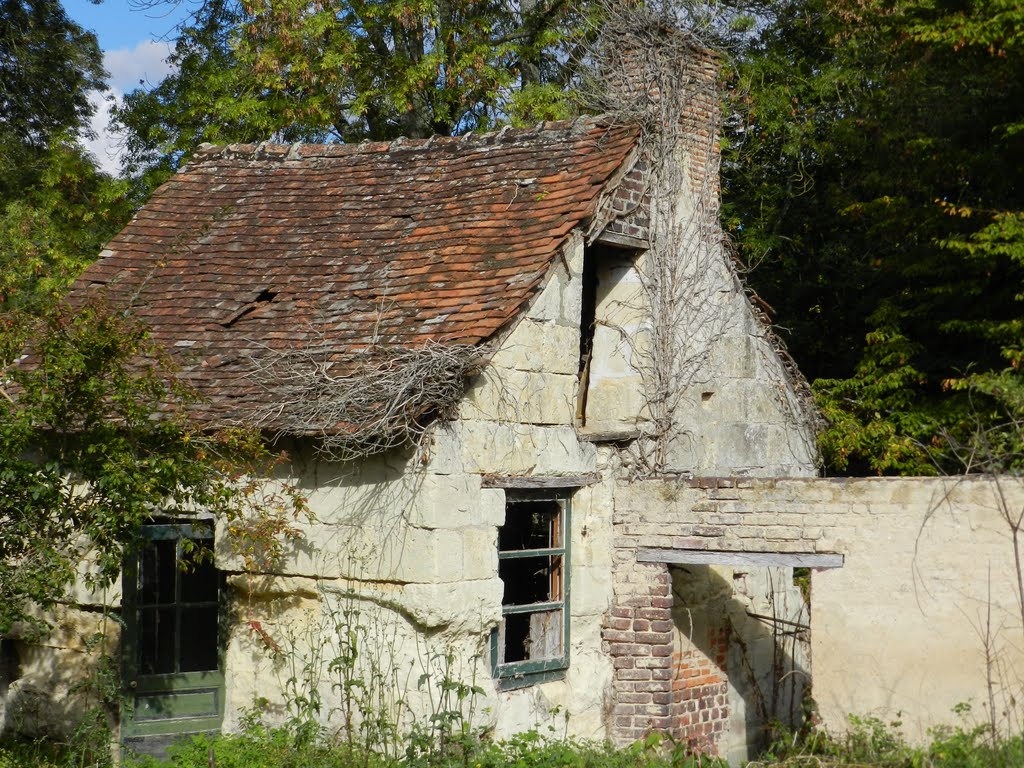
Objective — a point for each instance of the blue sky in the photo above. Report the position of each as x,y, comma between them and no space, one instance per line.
135,44
120,26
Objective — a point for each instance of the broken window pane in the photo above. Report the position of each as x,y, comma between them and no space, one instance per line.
531,565
529,636
530,579
530,525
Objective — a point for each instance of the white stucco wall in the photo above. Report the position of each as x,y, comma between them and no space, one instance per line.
927,591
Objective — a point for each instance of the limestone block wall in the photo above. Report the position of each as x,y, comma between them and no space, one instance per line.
738,413
405,547
616,396
46,685
923,614
47,682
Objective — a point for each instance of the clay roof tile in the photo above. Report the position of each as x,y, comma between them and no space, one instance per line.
266,245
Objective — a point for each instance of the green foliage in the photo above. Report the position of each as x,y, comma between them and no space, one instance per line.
57,213
258,747
33,754
871,742
872,422
868,741
262,747
289,70
193,104
876,183
48,64
56,208
94,440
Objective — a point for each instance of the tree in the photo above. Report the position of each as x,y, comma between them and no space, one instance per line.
56,224
342,70
56,207
878,181
48,64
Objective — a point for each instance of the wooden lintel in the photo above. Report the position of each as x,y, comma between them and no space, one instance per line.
610,436
543,481
622,241
720,557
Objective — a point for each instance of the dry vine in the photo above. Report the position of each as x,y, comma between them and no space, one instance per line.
364,403
648,73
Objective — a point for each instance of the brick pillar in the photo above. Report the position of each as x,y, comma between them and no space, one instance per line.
700,694
638,637
681,691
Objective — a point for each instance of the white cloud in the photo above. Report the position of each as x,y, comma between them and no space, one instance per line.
104,145
143,66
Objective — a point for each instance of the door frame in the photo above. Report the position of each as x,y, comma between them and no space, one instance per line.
176,703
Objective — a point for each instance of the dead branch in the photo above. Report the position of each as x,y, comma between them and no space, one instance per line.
647,72
364,403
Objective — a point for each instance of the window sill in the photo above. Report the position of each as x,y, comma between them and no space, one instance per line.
510,680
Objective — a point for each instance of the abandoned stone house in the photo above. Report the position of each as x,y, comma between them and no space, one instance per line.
580,547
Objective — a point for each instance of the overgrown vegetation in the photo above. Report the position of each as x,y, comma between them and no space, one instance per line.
94,437
869,743
872,742
262,747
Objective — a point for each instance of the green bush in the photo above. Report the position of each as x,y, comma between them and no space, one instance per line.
35,754
973,748
871,742
261,747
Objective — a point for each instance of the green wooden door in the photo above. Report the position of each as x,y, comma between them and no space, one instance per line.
172,669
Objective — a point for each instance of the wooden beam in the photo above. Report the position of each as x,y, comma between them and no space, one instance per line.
622,241
720,557
611,436
544,481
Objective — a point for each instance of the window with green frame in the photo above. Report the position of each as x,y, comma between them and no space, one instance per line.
532,642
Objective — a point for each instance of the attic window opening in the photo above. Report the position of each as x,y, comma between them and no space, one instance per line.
588,316
531,643
598,261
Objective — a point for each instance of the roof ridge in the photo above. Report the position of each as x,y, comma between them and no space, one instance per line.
299,151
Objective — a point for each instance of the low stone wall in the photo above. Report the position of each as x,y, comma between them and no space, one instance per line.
922,616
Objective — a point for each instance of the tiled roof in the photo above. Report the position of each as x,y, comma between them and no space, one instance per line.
278,247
